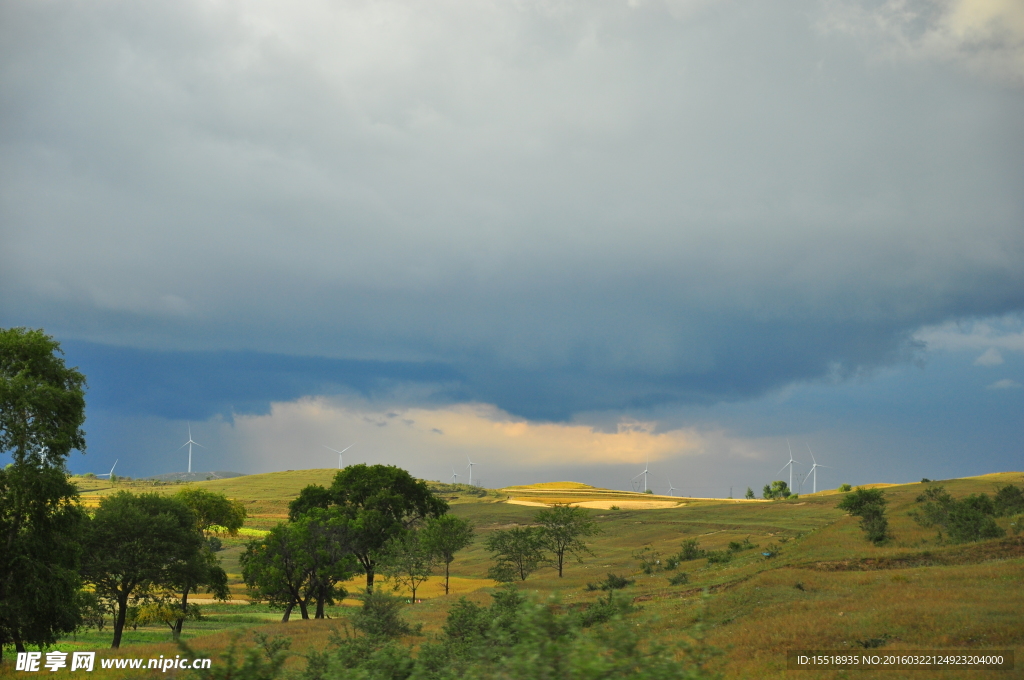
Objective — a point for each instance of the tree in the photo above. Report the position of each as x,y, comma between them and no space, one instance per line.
300,562
203,571
444,536
750,493
407,560
562,529
517,552
275,568
777,490
136,544
213,509
42,409
869,505
380,501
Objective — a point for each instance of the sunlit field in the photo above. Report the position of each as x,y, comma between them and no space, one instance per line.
827,588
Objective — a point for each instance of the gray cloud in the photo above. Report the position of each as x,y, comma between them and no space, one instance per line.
577,206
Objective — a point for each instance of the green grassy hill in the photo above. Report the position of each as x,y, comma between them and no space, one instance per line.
828,588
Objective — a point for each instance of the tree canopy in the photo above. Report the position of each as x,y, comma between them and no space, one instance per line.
380,502
42,409
135,543
563,530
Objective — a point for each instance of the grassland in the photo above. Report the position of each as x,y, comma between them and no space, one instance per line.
828,588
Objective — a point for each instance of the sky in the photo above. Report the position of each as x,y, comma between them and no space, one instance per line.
565,240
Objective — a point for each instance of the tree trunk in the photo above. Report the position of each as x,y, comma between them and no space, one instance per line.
446,565
122,612
561,559
369,580
304,610
184,611
19,646
321,597
287,612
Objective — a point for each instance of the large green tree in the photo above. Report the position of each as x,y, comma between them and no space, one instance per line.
380,501
563,529
42,409
517,552
444,536
136,544
301,562
203,572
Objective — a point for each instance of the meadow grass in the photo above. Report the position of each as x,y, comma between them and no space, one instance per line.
827,588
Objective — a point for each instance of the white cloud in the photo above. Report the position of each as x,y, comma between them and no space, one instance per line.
985,35
991,357
431,441
994,335
1004,384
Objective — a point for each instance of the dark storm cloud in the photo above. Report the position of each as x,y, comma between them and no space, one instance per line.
551,207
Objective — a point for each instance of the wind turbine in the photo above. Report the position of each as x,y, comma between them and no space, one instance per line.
189,444
470,466
644,474
111,473
789,465
455,476
339,452
814,469
671,488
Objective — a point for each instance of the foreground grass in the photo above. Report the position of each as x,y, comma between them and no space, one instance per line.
828,588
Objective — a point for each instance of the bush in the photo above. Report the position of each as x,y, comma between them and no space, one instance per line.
612,582
845,488
690,551
253,665
379,617
1009,501
770,551
650,559
718,556
602,611
679,579
869,505
968,519
737,546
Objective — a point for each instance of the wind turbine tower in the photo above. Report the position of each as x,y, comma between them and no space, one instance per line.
671,489
814,469
789,465
339,452
470,466
455,476
189,444
644,474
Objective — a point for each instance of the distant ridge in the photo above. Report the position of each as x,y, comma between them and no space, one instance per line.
195,476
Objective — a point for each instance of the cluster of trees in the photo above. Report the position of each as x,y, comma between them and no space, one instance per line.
374,519
968,519
61,568
777,490
558,535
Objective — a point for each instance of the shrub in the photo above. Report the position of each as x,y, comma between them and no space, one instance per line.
750,493
612,582
738,546
379,617
770,551
602,611
869,505
650,559
968,519
845,488
679,579
690,551
1009,501
718,556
